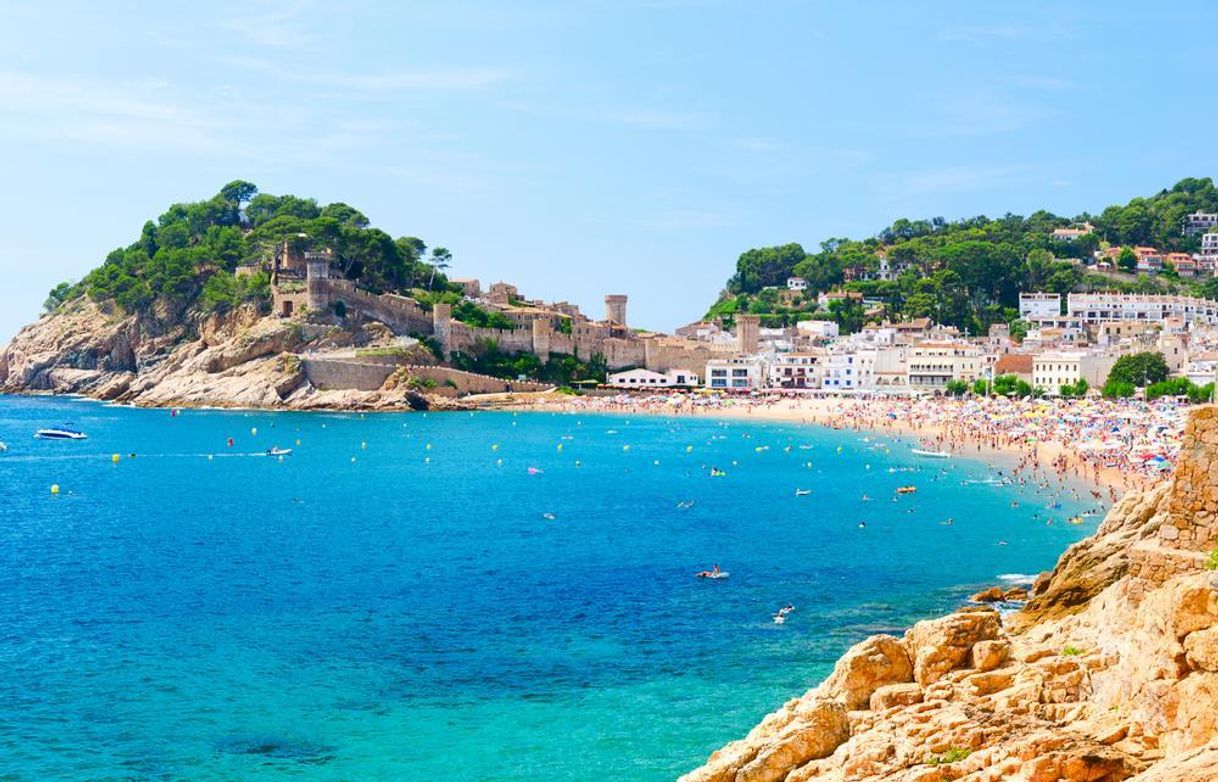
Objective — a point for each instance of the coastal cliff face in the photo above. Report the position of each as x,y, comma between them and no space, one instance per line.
1110,673
169,357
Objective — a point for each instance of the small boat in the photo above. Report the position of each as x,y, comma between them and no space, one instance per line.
713,574
802,492
277,451
930,454
3,447
65,432
907,489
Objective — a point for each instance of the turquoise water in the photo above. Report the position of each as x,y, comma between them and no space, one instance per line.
372,608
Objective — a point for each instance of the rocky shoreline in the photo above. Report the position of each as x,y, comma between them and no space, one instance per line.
1109,673
170,358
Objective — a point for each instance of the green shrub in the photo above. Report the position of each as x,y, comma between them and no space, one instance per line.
1071,651
952,755
1211,562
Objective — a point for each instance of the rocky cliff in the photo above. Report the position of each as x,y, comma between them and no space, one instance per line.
1110,673
178,357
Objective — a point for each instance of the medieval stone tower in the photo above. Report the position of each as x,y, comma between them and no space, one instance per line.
748,333
317,276
615,308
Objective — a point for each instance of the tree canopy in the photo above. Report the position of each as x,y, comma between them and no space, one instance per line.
189,253
968,273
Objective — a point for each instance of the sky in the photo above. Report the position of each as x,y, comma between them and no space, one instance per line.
584,147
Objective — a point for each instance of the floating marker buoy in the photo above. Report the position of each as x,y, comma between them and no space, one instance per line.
560,447
363,445
578,463
54,488
656,462
427,447
625,447
426,460
253,431
298,442
498,462
115,457
230,442
495,447
866,466
689,449
353,460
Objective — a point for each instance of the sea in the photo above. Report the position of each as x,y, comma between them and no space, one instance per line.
456,596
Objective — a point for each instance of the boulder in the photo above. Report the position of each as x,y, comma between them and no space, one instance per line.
820,728
991,595
867,666
1201,649
895,695
988,655
940,645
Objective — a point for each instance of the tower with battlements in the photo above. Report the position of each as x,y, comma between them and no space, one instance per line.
615,308
748,333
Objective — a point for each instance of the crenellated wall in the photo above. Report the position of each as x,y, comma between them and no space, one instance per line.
402,314
1187,521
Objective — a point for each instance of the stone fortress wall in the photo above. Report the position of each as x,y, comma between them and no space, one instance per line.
1188,518
538,329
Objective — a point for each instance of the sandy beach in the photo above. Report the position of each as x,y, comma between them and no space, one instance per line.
1049,436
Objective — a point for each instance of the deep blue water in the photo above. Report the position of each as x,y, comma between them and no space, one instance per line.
391,602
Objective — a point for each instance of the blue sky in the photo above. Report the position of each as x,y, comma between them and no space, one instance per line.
584,147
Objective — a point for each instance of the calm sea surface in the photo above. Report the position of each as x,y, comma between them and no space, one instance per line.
402,599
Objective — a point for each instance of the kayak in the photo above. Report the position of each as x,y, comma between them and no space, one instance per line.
715,576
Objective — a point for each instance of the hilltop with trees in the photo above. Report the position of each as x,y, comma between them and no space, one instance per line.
966,273
189,254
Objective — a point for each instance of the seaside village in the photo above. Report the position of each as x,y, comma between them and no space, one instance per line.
1069,338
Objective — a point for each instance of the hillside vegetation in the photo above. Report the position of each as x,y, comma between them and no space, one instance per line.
967,273
189,253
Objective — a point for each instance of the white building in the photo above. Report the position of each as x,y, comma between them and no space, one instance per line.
797,284
796,370
735,374
818,329
849,371
1034,306
1056,368
1099,307
645,378
933,364
1200,221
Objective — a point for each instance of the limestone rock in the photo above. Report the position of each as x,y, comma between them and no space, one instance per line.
1201,648
895,695
991,595
877,661
988,655
940,645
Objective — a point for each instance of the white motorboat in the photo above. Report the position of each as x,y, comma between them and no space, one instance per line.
65,432
930,454
277,451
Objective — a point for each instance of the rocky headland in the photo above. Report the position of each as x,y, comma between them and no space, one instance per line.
175,356
1109,673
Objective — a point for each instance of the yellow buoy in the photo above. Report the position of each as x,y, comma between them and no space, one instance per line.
115,457
254,431
625,447
427,447
54,488
560,447
689,449
363,445
495,447
298,442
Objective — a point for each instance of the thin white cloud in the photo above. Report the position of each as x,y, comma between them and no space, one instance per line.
270,23
439,79
657,120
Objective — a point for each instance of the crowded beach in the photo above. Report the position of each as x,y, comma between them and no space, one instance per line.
1116,445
